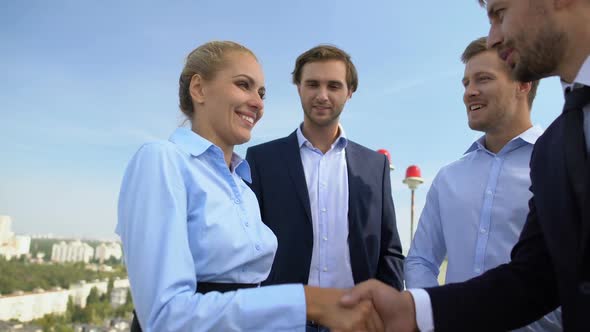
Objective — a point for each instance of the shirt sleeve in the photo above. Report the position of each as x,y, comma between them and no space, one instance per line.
428,248
152,224
423,307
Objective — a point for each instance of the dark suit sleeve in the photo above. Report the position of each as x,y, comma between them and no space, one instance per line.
255,185
390,269
507,297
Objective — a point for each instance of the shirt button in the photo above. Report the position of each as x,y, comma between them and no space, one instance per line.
323,210
325,269
237,201
257,247
489,192
247,224
478,270
325,238
585,288
483,230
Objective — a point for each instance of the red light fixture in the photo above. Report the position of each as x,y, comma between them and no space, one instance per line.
386,153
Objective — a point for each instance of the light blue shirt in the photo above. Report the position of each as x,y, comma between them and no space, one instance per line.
474,213
326,175
185,217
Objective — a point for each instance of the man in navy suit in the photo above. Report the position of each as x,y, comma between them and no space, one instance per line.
327,198
550,264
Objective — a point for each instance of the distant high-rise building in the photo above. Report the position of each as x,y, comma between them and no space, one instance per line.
5,229
22,244
118,297
25,307
80,291
104,251
11,245
75,251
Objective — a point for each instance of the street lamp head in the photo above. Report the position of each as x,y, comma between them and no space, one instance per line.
386,153
413,177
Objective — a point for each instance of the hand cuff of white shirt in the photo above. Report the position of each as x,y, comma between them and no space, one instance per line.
424,318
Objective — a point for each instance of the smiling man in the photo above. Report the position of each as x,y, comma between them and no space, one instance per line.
477,205
550,263
326,198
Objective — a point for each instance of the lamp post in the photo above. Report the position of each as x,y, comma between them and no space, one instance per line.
386,153
413,180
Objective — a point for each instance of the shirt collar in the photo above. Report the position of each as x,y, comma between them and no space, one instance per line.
340,143
195,145
529,136
583,76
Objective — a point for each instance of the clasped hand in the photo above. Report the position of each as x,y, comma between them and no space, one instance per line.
369,306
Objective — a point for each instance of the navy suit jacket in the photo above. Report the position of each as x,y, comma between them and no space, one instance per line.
278,180
550,263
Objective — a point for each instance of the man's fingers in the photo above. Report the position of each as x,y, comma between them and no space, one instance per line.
376,324
373,321
359,292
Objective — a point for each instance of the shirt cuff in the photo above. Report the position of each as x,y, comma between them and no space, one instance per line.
424,318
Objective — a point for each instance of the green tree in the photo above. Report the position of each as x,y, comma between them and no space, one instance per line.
78,315
112,261
53,323
26,276
93,297
110,287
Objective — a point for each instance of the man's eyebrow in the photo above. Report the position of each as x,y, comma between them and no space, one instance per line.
492,10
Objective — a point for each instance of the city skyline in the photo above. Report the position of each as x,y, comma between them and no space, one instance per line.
85,84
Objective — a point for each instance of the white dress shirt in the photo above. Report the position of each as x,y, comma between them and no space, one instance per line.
326,175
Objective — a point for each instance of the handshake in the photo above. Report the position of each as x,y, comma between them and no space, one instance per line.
369,306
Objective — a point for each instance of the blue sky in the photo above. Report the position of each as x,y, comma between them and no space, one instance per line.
84,83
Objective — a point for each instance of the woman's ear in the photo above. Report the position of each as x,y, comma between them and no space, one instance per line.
196,89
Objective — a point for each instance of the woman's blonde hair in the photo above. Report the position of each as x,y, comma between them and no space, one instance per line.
206,60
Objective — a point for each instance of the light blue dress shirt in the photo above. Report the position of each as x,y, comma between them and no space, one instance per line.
185,217
326,175
474,213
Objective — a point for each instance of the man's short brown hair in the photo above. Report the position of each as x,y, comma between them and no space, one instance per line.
479,46
324,53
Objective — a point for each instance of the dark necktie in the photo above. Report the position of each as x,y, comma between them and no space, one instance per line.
576,98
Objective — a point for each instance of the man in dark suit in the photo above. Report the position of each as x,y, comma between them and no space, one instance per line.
327,199
550,264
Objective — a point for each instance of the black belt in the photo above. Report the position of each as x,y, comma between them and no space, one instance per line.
203,288
206,287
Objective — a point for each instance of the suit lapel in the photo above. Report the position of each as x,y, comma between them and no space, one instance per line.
355,242
292,157
353,186
575,153
578,173
585,236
